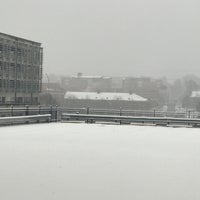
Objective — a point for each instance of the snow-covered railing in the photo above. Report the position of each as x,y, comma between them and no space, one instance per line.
56,112
25,119
130,119
13,111
123,112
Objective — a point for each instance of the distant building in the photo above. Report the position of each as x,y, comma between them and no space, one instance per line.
193,102
116,84
20,70
195,94
89,83
154,89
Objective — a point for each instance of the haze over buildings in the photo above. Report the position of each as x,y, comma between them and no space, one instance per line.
115,37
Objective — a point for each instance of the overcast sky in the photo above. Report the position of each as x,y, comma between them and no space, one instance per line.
110,37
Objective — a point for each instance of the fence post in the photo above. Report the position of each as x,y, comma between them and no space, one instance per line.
56,113
88,110
120,111
51,112
11,110
154,113
120,114
39,110
51,109
27,110
189,114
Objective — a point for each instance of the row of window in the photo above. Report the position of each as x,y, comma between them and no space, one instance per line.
19,86
19,100
26,55
19,71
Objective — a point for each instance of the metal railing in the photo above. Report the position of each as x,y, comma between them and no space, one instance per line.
57,112
137,113
25,119
27,110
161,121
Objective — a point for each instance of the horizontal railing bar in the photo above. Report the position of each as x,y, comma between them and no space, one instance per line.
25,119
167,120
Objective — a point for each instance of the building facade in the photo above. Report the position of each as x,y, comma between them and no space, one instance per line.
88,83
20,70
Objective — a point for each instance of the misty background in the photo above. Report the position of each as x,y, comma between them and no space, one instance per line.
110,37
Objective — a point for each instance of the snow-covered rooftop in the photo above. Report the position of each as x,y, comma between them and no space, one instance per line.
195,94
104,96
92,77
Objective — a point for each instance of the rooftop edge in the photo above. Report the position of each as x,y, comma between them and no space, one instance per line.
16,37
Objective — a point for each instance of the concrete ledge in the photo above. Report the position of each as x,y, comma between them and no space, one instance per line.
25,119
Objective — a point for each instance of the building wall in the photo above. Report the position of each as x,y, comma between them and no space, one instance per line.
153,89
115,104
89,83
20,70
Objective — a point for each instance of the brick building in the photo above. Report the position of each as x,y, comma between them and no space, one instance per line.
20,70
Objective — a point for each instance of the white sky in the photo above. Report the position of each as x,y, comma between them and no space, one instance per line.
110,37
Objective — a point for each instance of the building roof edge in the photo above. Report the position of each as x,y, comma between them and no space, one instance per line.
20,38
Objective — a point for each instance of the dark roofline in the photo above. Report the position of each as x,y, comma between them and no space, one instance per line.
19,38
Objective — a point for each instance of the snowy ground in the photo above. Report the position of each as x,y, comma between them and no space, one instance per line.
66,161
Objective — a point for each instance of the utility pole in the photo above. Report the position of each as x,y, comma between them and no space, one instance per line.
47,81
